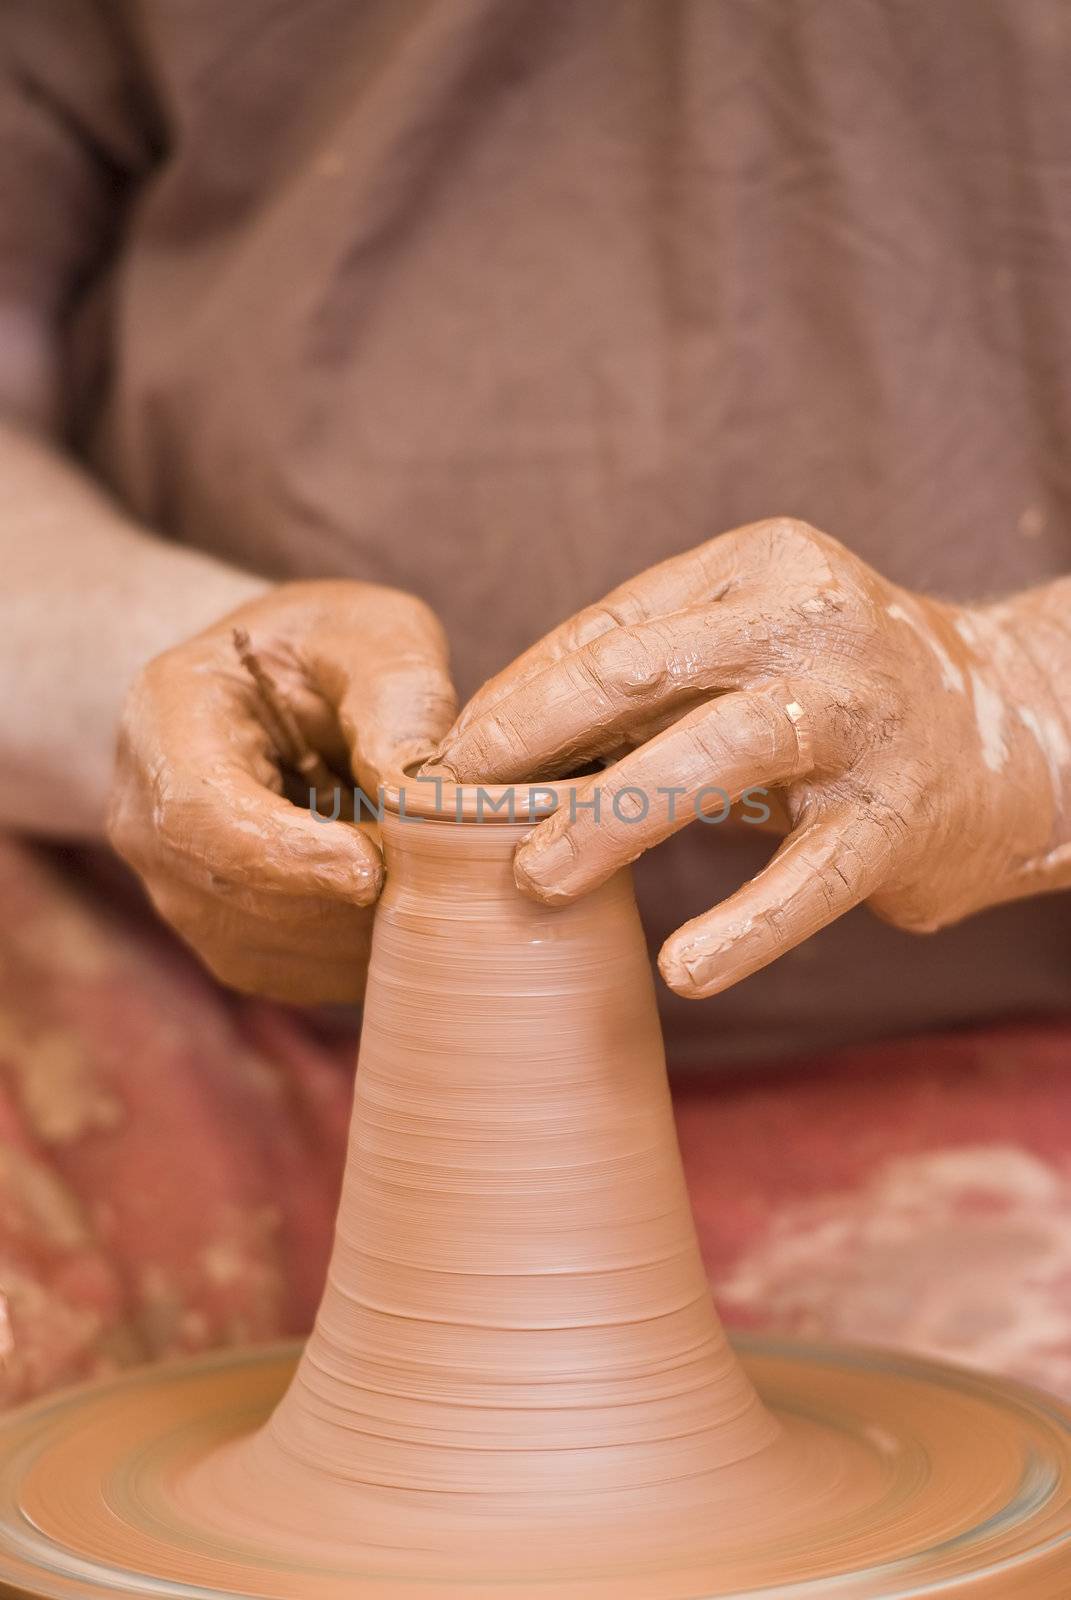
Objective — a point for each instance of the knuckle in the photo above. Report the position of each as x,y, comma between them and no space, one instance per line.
726,540
792,528
174,823
199,839
754,726
777,928
484,747
792,532
892,821
709,738
402,604
494,737
618,611
620,663
840,879
589,625
431,708
629,803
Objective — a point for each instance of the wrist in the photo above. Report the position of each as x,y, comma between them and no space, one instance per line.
1026,641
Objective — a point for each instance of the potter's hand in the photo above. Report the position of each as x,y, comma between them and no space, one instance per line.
273,900
921,751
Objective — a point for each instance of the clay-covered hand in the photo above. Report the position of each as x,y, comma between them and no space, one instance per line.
274,900
921,750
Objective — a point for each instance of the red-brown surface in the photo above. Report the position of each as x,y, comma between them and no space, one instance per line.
169,1162
915,1193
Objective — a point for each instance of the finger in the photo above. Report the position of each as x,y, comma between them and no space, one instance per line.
636,602
704,574
306,951
197,794
703,764
585,704
819,873
395,704
399,716
225,829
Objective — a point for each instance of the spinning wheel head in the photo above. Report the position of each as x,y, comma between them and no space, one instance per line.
890,1478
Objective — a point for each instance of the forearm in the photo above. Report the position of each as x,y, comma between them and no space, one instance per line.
87,598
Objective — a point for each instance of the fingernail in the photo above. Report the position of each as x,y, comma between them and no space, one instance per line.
444,759
684,968
474,756
434,768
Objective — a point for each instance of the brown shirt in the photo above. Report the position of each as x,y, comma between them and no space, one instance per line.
502,300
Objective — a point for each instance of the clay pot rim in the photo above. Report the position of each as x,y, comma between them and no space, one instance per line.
437,799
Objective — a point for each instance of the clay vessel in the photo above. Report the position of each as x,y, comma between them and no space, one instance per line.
516,1360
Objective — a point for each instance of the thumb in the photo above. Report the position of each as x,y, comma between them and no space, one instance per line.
393,693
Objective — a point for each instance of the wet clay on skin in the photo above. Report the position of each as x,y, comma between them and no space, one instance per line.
334,682
922,750
517,1384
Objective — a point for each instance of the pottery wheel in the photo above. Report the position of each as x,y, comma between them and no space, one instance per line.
968,1491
